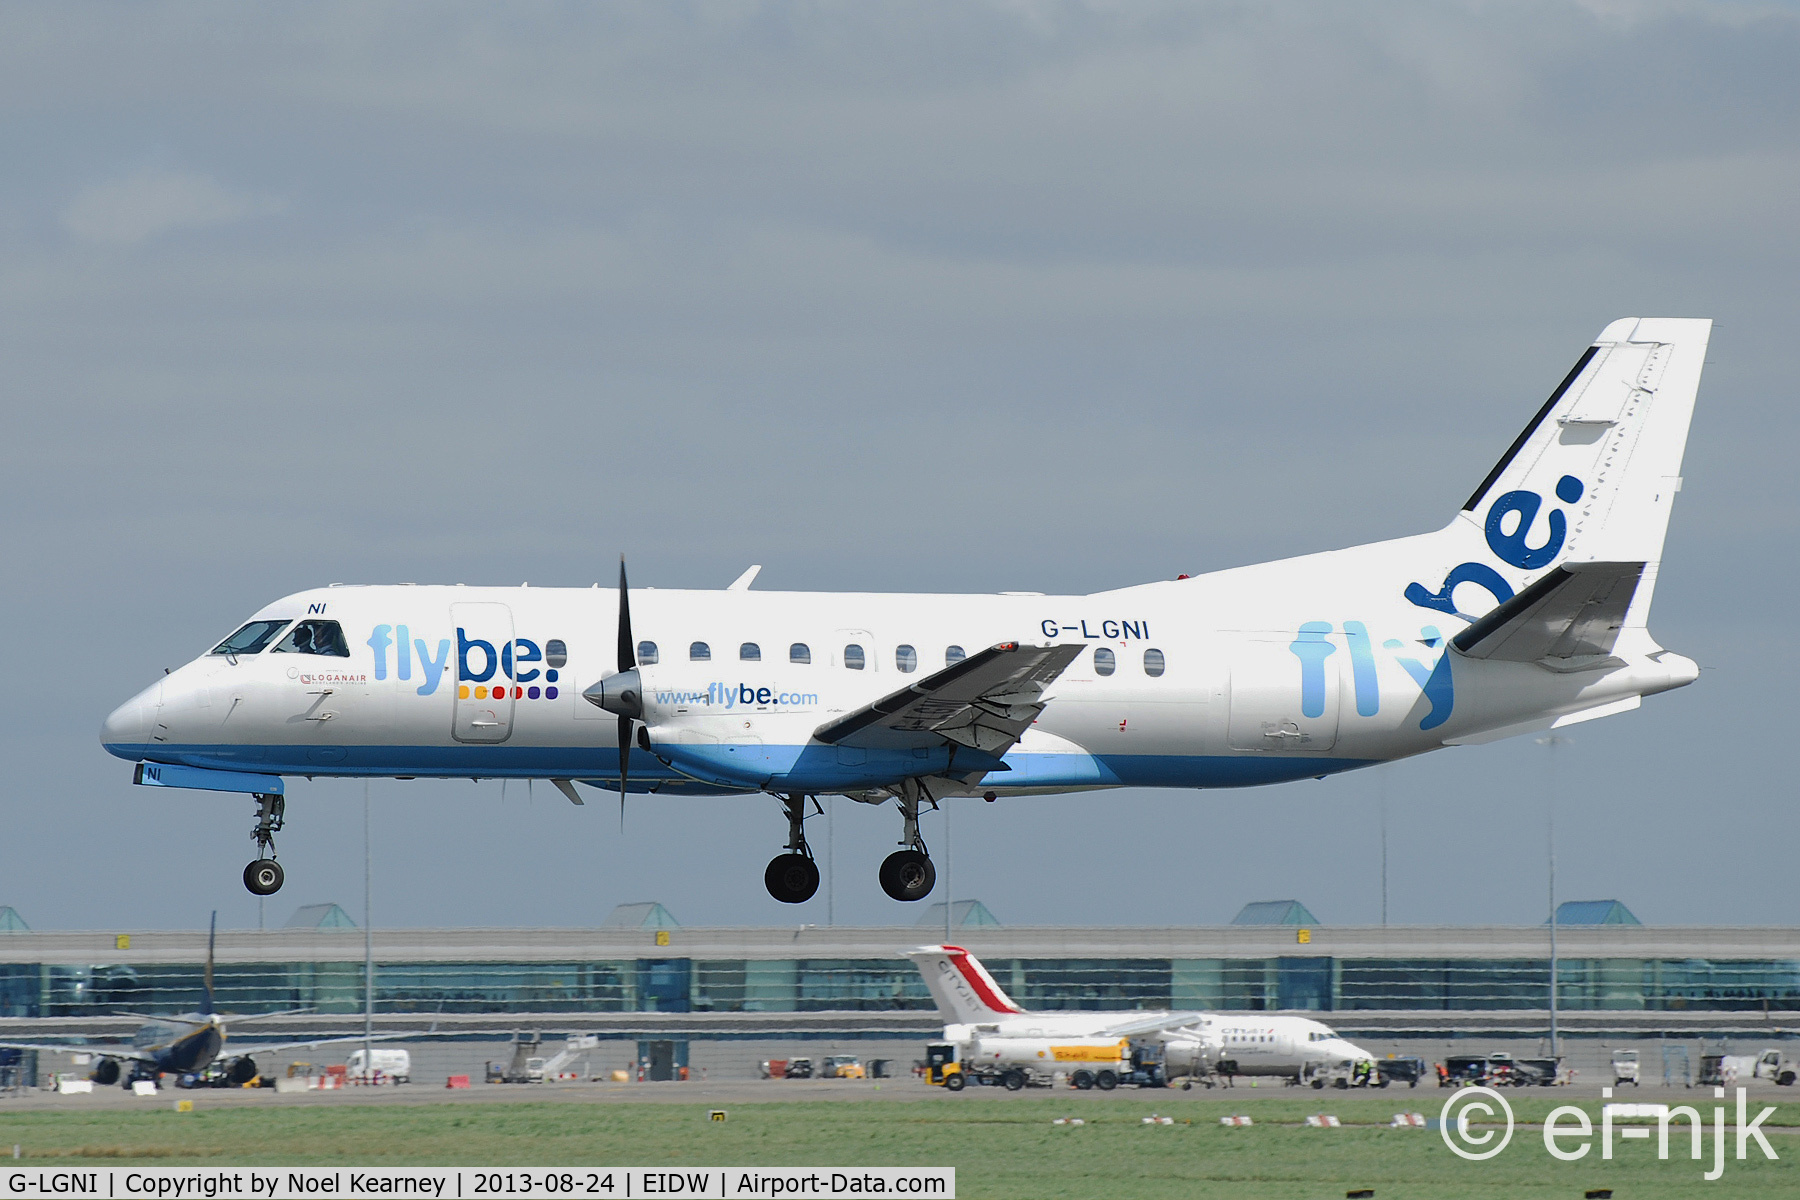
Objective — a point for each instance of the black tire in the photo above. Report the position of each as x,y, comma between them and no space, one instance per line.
1188,1086
1106,1081
1384,1083
1083,1080
1341,1083
1014,1081
264,877
907,875
1785,1079
955,1082
792,878
1319,1084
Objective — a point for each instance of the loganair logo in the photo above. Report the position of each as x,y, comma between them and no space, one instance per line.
733,695
482,671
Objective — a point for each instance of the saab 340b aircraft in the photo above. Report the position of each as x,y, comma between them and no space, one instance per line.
1527,611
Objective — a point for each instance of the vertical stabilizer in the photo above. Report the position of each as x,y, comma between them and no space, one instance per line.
207,1004
965,993
1591,479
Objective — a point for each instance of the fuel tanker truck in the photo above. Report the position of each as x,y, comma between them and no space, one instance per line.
991,1060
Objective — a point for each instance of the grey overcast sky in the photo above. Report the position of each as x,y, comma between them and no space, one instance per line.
963,297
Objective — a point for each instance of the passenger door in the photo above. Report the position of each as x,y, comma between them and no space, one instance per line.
483,711
1284,690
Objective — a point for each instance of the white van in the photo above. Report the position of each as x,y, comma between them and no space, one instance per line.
395,1064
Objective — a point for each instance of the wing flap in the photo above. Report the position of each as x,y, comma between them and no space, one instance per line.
1573,613
985,702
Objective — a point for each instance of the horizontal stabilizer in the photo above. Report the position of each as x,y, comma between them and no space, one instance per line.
1572,614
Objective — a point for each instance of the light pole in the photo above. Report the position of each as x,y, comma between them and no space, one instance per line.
1552,742
368,952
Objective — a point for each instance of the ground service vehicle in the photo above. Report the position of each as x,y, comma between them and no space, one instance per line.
1400,1070
1724,1070
1625,1067
395,1064
841,1066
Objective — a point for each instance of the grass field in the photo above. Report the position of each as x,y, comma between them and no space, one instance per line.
1001,1146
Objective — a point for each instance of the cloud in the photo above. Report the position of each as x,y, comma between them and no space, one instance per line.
149,203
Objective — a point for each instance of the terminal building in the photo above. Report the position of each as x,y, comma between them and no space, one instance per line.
741,994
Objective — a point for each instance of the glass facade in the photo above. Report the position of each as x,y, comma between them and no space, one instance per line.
1309,983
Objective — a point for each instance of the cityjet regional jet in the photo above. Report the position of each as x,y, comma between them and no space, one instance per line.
980,1017
1527,611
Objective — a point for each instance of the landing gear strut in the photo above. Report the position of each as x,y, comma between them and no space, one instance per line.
793,878
908,874
264,876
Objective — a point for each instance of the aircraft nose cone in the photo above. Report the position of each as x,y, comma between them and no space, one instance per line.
127,728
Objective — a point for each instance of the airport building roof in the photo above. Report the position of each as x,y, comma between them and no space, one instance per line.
645,914
1275,912
11,921
320,916
1594,912
962,912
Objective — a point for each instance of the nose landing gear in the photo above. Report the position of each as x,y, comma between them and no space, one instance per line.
793,878
908,874
264,876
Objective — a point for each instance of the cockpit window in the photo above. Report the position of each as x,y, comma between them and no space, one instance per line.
251,638
315,637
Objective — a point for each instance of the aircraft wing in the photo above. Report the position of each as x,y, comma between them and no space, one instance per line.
98,1051
1574,612
1154,1023
253,1048
985,702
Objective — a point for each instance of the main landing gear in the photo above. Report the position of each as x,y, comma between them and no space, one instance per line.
908,874
793,878
264,876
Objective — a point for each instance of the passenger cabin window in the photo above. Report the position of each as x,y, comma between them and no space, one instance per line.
1104,661
906,659
556,653
1154,664
954,654
700,652
315,637
749,652
853,656
647,654
799,652
251,638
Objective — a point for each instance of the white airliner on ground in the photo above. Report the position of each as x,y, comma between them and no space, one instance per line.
1527,611
976,1009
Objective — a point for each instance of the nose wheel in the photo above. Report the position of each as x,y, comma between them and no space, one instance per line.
908,874
793,878
264,876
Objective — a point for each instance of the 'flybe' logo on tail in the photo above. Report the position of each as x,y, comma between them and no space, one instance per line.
1510,540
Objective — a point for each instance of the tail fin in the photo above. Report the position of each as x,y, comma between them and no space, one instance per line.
207,1006
1593,476
965,993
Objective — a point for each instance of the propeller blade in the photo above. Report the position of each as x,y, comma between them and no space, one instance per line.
625,724
627,646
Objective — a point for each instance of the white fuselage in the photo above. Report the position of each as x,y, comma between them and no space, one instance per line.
1275,672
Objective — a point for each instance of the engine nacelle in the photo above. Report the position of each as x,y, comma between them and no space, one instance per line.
242,1070
106,1072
